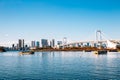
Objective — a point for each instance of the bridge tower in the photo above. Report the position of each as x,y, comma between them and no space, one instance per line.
99,38
98,35
64,41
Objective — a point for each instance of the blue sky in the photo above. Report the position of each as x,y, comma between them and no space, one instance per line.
75,19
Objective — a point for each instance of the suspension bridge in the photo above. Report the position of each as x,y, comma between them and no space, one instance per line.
101,41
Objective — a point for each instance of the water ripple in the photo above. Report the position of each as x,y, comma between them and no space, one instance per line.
59,66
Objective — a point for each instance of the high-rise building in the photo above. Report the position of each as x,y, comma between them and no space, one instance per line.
88,44
37,44
44,43
52,43
20,44
17,46
23,44
32,43
13,45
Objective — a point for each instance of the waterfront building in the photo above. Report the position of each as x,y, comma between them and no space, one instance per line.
95,44
17,46
13,45
26,46
59,42
32,44
52,43
21,44
88,44
44,43
81,45
37,44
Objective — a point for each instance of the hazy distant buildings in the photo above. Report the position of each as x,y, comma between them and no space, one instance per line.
44,43
35,44
20,45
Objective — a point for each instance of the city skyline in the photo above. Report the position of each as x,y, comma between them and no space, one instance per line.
54,19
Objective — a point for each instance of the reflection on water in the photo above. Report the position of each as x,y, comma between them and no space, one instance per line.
59,65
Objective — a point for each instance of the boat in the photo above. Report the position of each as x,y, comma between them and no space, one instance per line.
101,52
26,52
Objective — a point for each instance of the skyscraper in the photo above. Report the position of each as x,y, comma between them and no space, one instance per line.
32,44
13,45
37,44
21,44
52,43
44,43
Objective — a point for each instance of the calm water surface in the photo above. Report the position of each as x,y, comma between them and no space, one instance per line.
59,65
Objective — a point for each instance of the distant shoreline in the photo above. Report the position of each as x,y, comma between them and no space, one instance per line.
82,49
77,49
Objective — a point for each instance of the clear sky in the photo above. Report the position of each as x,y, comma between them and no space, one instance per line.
75,19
